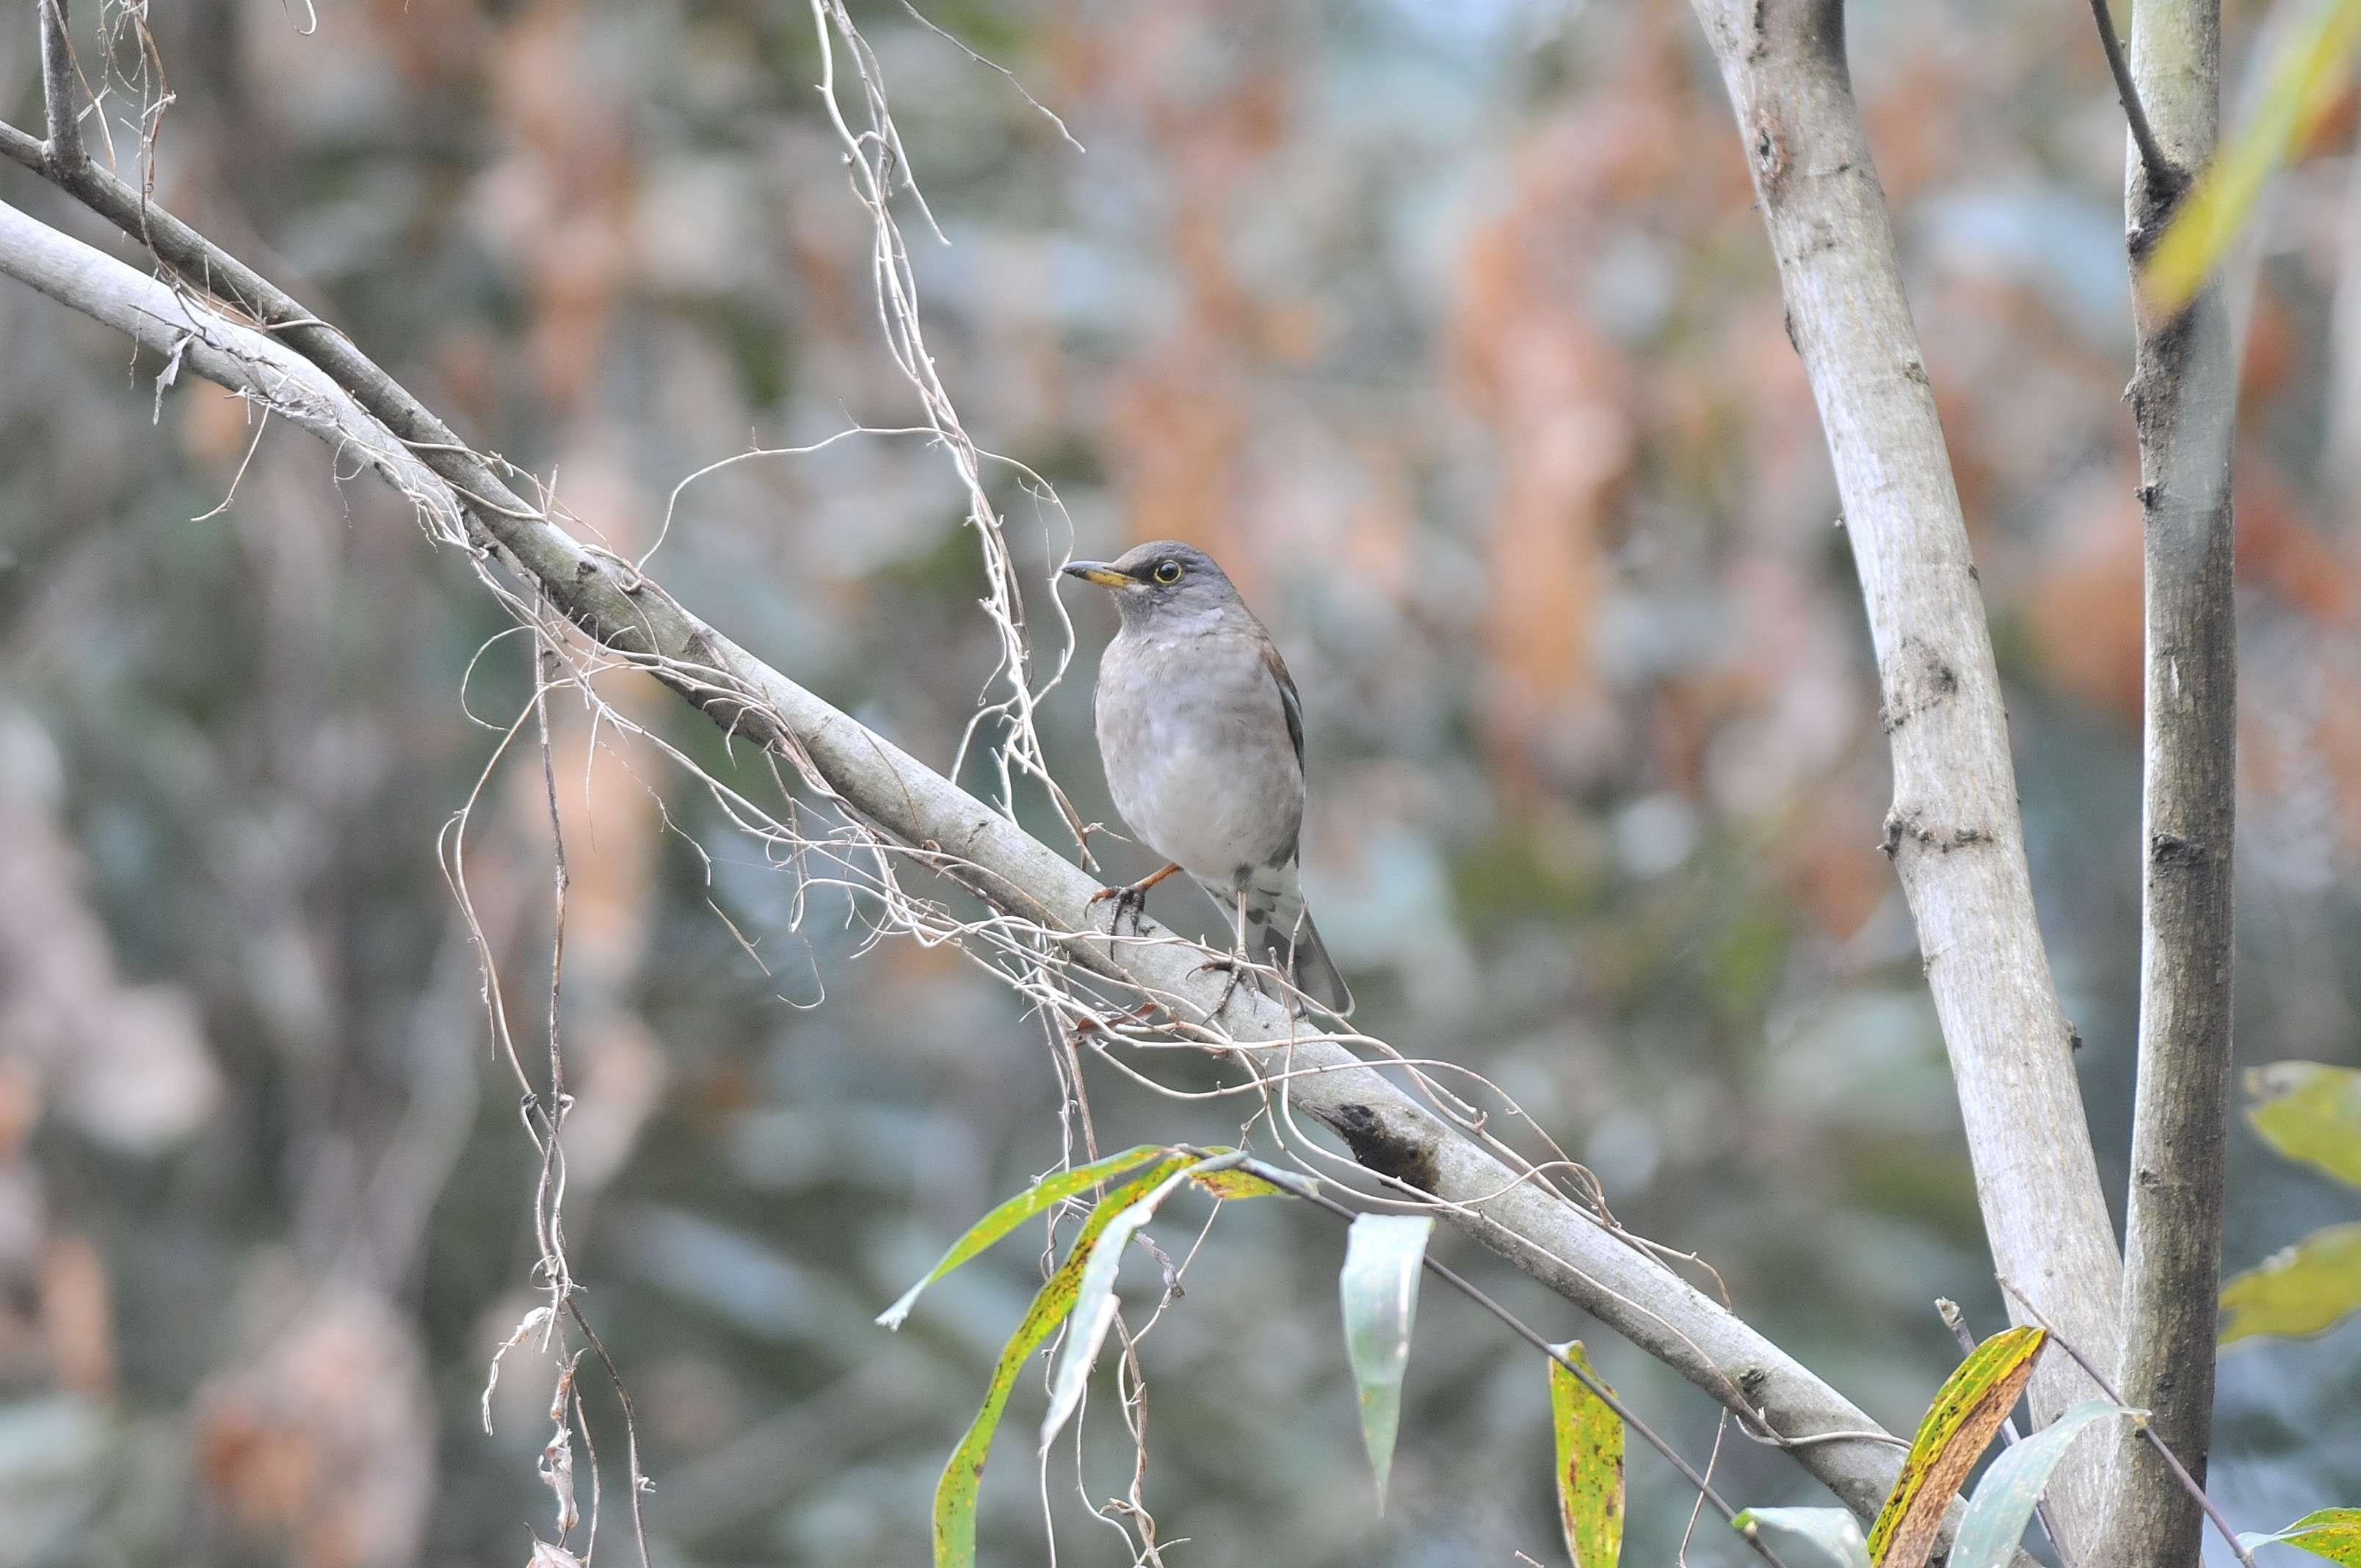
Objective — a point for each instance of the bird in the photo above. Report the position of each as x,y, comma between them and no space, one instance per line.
1201,733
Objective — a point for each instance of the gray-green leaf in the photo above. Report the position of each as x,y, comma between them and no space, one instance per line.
2003,1502
1095,1297
1379,1288
1831,1535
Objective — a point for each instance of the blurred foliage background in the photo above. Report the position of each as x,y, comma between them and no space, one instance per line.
1448,326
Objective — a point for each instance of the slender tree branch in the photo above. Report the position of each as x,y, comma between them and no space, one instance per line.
2184,397
18,147
63,156
2163,174
1387,1130
1954,833
206,268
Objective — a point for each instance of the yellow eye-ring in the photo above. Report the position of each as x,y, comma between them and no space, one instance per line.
1168,571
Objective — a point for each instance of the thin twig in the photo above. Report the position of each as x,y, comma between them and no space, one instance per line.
549,1218
1954,1320
639,1483
589,1448
1303,1188
545,673
2166,178
961,44
2171,1459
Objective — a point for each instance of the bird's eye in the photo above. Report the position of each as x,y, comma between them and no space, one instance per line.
1167,571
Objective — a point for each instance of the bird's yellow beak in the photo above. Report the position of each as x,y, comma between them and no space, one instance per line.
1102,573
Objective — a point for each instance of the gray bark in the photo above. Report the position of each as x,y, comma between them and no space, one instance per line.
1386,1129
2183,396
1954,833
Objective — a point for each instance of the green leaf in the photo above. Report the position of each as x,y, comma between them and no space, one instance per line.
1043,1194
1995,1524
2332,1533
1379,1291
1094,1301
1830,1534
955,1493
1590,1465
1959,1425
2311,1112
2304,86
2307,1288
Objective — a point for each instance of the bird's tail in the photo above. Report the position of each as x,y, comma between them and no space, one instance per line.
1316,971
1279,931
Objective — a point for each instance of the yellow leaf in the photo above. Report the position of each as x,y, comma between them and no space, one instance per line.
1228,1184
1590,1465
2308,1288
2310,1112
2332,1533
1967,1411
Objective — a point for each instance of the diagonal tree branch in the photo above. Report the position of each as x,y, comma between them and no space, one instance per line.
2163,174
1387,1130
1954,833
2184,396
208,270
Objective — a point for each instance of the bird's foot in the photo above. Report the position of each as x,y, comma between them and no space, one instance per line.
1133,898
1237,967
1131,901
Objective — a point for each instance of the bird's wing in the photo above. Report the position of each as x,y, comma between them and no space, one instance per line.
1288,701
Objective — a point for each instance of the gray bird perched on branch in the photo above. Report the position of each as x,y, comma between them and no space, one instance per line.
1202,736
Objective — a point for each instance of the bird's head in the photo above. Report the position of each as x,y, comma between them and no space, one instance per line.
1162,580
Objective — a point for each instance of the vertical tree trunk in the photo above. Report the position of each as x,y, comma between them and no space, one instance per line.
1954,831
2183,396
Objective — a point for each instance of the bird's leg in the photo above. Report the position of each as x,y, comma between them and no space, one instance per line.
1131,900
1236,964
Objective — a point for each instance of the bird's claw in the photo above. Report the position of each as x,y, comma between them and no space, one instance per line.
1237,967
1131,900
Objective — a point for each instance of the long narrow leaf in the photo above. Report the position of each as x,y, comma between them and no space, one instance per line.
2303,87
1228,1184
955,1494
1831,1535
1095,1303
2310,1112
2332,1533
1379,1287
2004,1499
1959,1425
1043,1194
1589,1439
